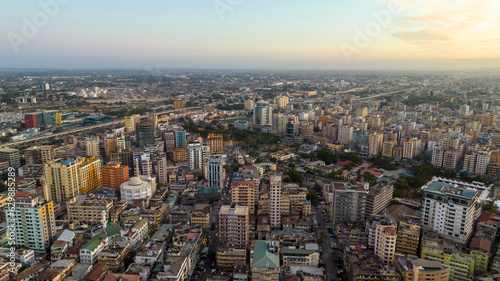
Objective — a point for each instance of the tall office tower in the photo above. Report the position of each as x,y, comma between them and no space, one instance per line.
243,193
464,110
145,133
34,221
11,155
114,174
345,134
216,143
275,200
62,180
279,124
452,210
215,174
349,201
120,142
195,156
89,173
162,170
375,142
92,147
262,114
385,241
130,123
110,145
180,139
281,101
169,138
233,226
292,129
361,111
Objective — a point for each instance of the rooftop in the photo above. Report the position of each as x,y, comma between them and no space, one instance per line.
263,258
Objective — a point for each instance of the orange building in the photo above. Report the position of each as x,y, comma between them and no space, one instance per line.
180,154
110,145
216,143
114,174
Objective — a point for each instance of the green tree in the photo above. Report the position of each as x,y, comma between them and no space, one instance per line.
313,197
490,207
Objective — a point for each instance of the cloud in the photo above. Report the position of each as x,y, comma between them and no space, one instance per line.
450,28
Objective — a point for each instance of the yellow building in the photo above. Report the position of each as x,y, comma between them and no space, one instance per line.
243,193
180,154
387,147
113,256
89,172
480,249
227,258
414,269
178,104
58,118
88,208
216,143
62,180
408,237
201,215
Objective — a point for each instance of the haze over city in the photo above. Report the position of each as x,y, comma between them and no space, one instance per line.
351,35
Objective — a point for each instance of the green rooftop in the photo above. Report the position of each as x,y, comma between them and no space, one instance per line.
94,242
449,189
287,250
112,230
140,223
263,258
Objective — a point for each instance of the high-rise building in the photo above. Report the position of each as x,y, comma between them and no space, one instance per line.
411,148
243,193
62,180
464,110
279,124
34,221
306,129
114,174
375,143
487,119
330,131
88,208
385,241
476,161
249,104
262,114
89,173
145,133
216,143
180,139
195,156
408,240
451,209
233,226
92,147
215,174
281,101
30,121
292,129
58,118
11,155
378,198
361,111
349,201
162,170
345,134
388,147
437,157
39,154
109,145
130,123
275,200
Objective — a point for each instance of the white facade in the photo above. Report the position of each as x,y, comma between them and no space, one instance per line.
135,189
195,156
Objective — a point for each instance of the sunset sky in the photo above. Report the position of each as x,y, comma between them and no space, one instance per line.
253,34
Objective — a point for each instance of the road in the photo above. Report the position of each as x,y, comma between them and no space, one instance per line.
329,255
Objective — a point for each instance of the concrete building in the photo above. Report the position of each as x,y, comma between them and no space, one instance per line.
178,104
361,111
62,180
216,143
195,156
243,193
180,155
385,241
89,173
180,138
215,173
349,201
411,148
408,239
275,200
388,146
262,114
11,155
279,124
233,226
265,262
345,134
378,198
88,208
451,210
414,269
138,187
34,222
281,101
476,161
375,143
299,257
145,133
200,216
92,147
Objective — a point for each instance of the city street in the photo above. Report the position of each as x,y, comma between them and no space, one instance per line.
329,255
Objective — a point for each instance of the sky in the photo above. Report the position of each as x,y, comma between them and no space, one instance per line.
251,34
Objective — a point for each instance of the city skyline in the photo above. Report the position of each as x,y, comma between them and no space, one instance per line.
223,34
